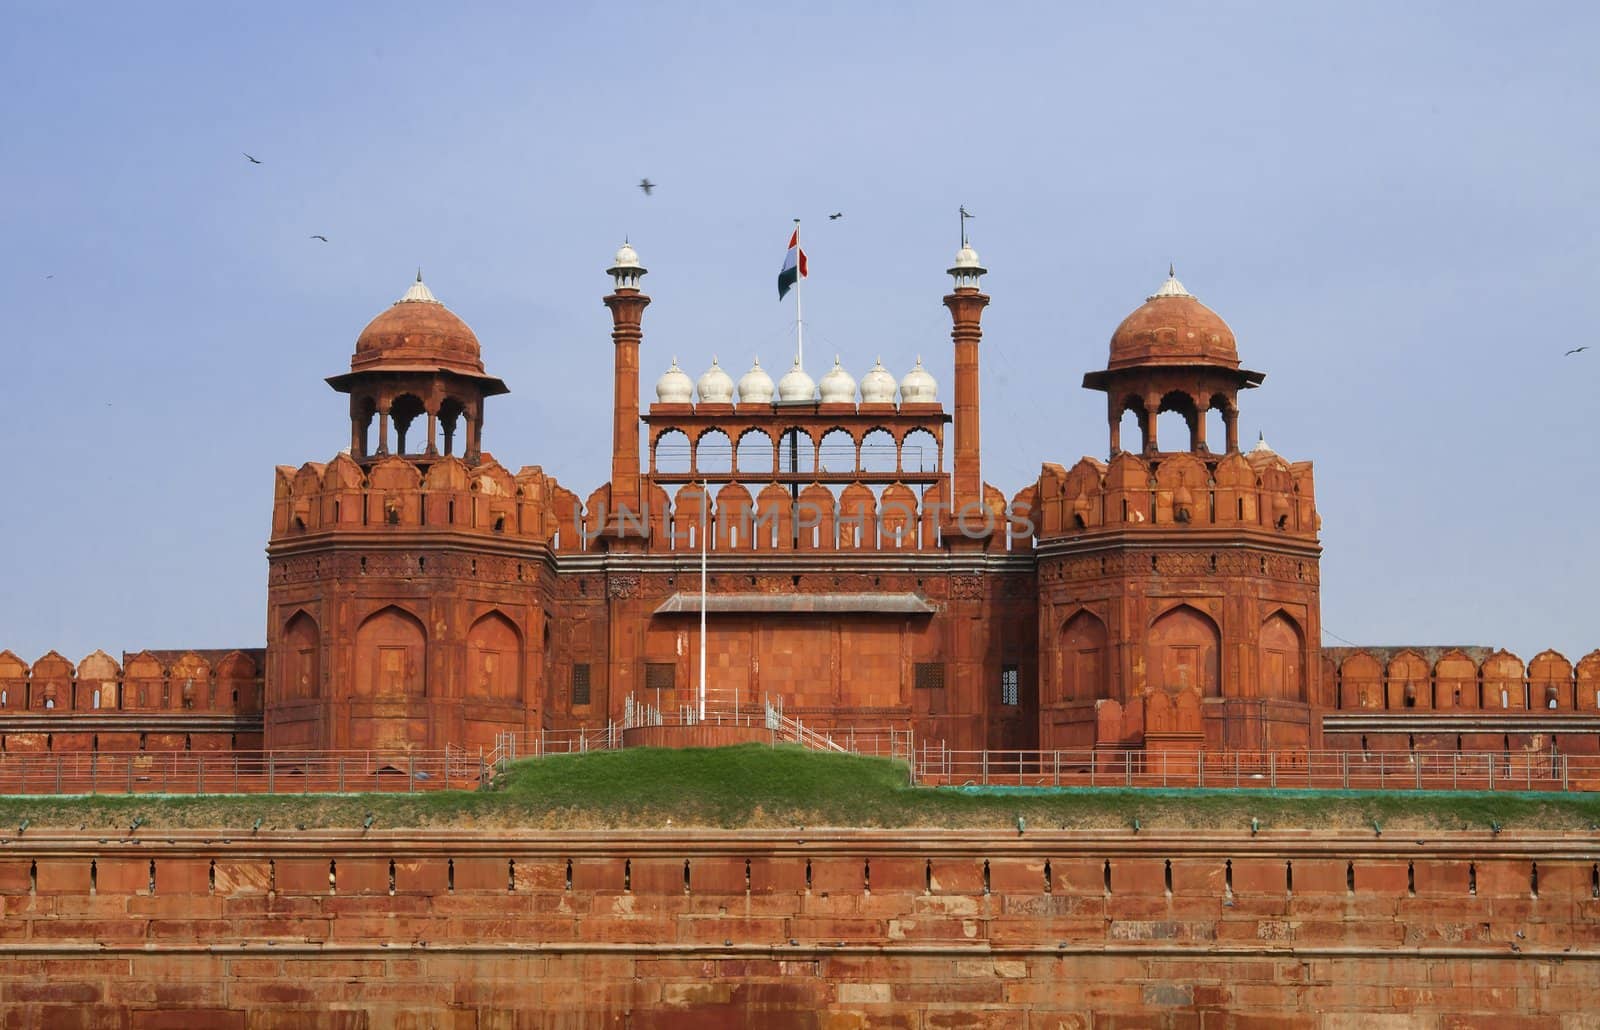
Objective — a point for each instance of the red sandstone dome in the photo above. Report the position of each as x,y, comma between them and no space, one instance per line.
417,333
1172,327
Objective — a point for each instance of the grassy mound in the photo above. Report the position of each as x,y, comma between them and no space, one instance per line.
754,786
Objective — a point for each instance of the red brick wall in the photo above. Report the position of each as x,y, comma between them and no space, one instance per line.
932,929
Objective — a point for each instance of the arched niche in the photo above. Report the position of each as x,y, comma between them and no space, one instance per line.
1083,660
1282,651
1410,683
190,679
97,681
1586,682
52,683
238,684
1455,679
1360,682
1504,682
302,657
1184,652
1549,681
391,655
494,659
13,681
143,683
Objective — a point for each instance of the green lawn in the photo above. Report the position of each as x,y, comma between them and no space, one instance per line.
761,787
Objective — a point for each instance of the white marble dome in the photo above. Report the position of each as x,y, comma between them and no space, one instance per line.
715,386
675,386
755,386
626,257
796,385
918,387
877,386
838,386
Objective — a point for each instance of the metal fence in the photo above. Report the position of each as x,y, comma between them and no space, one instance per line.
240,772
936,764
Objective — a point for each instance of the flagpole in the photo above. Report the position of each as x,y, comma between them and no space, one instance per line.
705,499
799,322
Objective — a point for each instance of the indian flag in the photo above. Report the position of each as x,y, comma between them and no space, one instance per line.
794,266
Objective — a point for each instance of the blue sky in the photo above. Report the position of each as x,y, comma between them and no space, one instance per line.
1392,205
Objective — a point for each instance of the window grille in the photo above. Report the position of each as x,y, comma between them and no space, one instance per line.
659,675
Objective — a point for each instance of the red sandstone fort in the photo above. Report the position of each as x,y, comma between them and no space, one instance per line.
860,571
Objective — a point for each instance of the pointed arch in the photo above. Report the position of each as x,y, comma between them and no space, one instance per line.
97,681
144,682
52,683
1410,681
1282,654
302,653
1083,664
1360,682
238,683
13,681
191,683
1184,653
1549,681
494,659
1455,678
755,456
391,655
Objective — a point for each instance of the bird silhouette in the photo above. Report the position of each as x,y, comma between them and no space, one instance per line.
647,186
317,236
253,160
836,216
1575,350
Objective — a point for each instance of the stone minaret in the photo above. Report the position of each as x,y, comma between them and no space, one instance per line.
966,304
627,306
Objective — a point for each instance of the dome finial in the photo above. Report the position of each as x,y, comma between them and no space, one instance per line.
418,291
1172,287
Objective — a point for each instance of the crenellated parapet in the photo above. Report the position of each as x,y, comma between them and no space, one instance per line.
152,700
1456,679
404,494
1260,491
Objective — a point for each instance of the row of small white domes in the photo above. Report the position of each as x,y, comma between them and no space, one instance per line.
837,387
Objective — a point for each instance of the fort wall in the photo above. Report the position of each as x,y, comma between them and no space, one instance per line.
834,928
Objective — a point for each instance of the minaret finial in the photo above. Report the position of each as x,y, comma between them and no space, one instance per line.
1172,272
419,273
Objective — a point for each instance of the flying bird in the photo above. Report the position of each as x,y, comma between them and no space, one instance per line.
253,160
317,236
836,216
1575,350
647,186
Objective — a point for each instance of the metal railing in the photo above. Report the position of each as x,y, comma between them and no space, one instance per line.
936,764
237,772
